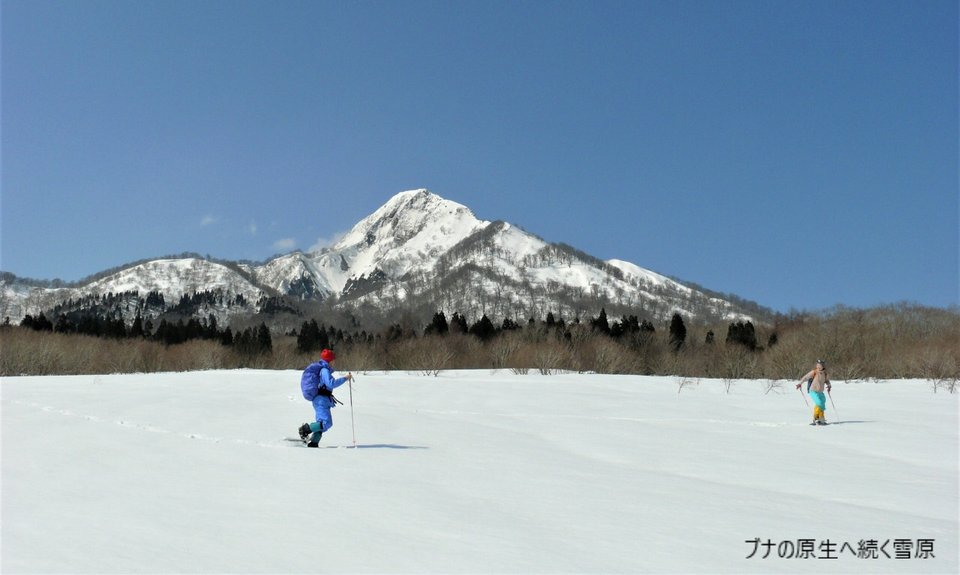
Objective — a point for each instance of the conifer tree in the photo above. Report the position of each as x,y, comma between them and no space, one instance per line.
678,332
458,323
308,339
438,326
742,334
617,330
483,329
749,337
600,323
63,325
136,330
211,331
264,341
42,323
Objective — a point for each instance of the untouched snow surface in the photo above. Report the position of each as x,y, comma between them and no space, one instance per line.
472,472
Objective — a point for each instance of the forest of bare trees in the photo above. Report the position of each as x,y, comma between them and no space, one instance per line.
897,341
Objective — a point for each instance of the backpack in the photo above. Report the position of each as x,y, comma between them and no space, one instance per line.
310,381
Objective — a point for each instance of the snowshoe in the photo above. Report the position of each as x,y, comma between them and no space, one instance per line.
313,444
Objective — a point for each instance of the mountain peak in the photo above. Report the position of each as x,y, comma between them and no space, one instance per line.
422,201
407,215
412,195
408,232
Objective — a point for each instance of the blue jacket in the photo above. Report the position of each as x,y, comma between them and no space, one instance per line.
317,375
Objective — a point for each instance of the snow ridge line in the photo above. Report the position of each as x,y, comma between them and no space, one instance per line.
144,426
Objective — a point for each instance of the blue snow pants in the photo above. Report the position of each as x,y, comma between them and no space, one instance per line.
820,399
321,407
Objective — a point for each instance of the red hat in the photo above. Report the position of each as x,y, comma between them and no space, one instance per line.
327,355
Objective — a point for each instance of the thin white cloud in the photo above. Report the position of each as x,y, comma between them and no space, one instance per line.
285,244
208,220
252,228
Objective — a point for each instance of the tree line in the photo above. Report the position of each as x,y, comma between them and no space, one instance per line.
250,341
314,336
895,341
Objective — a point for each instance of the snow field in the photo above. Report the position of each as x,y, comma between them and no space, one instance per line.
468,472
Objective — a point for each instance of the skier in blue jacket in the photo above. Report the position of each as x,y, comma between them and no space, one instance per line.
317,385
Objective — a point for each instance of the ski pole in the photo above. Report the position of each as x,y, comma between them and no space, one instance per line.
352,426
804,397
833,406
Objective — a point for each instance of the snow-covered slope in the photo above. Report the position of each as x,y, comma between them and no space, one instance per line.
425,252
636,274
174,278
297,274
474,472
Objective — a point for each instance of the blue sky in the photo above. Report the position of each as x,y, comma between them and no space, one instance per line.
798,154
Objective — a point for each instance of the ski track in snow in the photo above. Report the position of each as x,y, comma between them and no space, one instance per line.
145,427
151,428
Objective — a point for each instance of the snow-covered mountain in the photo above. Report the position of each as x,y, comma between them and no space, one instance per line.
170,278
419,247
417,251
